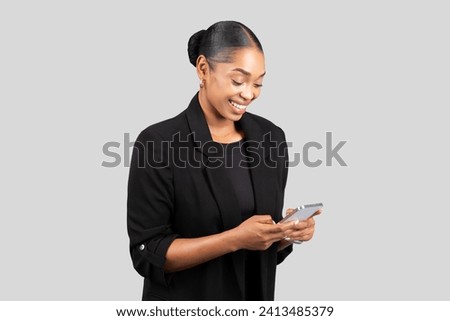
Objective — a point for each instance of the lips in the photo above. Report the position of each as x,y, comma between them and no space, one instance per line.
237,106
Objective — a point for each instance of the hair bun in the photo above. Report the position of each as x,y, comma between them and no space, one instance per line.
194,46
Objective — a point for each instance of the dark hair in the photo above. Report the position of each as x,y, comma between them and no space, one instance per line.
220,41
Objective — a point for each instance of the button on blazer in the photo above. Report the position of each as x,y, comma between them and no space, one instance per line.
176,190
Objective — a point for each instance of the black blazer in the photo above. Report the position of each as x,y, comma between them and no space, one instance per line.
175,190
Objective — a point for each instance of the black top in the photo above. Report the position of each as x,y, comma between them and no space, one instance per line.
236,164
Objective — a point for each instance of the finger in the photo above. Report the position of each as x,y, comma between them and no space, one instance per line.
288,224
266,219
275,237
307,237
289,210
300,225
318,212
289,231
304,238
273,228
273,232
306,223
311,222
300,235
294,224
277,233
291,227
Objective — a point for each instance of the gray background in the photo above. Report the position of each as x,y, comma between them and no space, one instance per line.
75,75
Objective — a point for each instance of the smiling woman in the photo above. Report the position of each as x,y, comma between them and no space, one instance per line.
237,87
208,232
230,65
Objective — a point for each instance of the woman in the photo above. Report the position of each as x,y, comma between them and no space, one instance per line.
206,187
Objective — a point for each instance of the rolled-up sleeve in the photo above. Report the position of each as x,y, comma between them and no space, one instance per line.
150,204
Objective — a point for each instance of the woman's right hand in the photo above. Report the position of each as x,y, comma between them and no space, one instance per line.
259,232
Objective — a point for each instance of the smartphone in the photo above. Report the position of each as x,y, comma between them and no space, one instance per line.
302,212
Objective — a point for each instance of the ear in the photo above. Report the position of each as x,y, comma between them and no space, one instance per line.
202,67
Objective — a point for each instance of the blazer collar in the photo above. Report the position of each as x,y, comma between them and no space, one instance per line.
197,122
201,134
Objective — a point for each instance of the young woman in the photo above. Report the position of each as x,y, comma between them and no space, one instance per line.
206,187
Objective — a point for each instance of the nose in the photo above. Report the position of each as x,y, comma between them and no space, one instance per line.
247,93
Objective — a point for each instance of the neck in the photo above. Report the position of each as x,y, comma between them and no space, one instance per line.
215,121
221,129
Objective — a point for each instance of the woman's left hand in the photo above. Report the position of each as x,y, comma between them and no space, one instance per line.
301,230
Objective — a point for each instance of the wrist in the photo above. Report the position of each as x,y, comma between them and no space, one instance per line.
231,238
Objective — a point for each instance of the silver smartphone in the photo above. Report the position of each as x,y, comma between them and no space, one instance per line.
302,212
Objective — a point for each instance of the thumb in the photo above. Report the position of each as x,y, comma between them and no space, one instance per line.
290,210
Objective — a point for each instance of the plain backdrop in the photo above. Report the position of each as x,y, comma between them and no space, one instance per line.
75,75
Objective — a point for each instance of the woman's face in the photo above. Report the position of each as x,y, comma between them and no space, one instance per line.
229,88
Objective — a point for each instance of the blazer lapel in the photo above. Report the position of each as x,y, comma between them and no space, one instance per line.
258,144
218,181
217,176
264,191
220,184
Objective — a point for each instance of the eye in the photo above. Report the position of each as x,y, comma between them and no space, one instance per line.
258,85
236,83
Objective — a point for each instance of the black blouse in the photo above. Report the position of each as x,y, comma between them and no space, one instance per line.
236,163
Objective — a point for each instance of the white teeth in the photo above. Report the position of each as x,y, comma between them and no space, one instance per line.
241,107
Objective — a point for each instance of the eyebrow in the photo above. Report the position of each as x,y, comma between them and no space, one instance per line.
245,72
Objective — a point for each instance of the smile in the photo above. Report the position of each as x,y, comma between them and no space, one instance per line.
238,106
